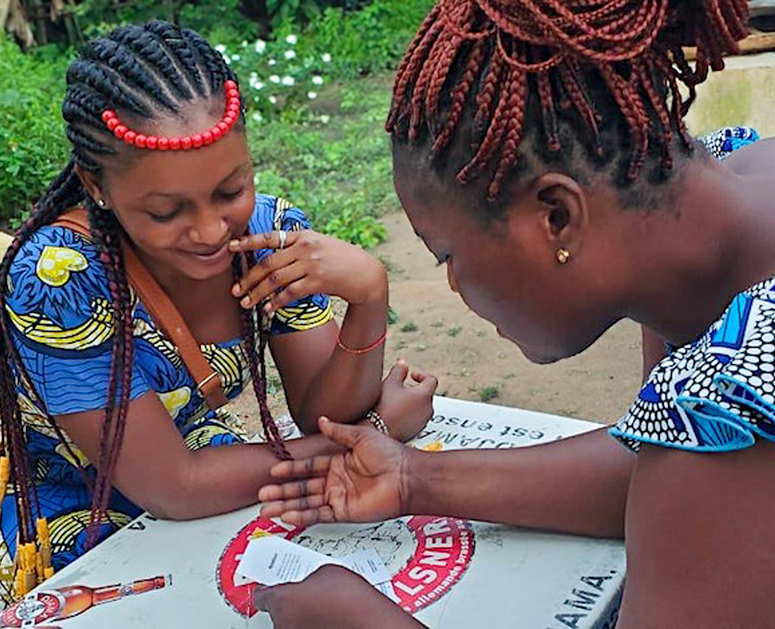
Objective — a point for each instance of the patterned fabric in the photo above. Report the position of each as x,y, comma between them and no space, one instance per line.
722,143
717,393
59,307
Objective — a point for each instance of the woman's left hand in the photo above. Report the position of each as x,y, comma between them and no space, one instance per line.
331,597
304,263
406,401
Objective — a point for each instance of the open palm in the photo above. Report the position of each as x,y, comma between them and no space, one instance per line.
364,483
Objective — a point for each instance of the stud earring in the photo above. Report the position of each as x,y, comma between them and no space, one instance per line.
101,203
563,255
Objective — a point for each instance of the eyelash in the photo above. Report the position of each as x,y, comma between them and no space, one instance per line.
165,218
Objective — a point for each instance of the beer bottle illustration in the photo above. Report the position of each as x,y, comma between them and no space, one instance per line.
66,602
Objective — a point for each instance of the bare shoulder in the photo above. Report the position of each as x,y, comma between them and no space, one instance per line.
700,549
754,159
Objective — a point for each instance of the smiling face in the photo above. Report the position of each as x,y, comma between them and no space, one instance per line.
506,270
181,208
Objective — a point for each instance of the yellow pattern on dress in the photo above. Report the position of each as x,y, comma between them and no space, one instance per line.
56,263
66,528
304,317
95,331
176,400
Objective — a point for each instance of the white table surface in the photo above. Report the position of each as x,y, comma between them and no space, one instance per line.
490,576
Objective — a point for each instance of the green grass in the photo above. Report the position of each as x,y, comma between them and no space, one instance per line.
336,165
489,393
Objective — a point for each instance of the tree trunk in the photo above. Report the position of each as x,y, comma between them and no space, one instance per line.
18,25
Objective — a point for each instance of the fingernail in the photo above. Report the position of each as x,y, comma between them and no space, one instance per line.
268,308
233,244
236,290
245,302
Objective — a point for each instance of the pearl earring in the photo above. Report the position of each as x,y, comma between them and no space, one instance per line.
563,255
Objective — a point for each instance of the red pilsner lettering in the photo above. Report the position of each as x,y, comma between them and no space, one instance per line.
439,542
436,528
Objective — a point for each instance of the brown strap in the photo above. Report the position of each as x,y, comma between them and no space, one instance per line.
163,311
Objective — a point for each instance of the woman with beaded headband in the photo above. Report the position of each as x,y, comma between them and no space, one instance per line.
540,152
101,418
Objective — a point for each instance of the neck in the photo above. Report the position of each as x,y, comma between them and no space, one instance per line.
717,239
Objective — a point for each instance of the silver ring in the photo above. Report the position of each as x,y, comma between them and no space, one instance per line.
283,236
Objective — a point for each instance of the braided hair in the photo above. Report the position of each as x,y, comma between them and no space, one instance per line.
143,71
484,80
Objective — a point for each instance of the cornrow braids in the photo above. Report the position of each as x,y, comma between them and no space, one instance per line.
605,74
142,71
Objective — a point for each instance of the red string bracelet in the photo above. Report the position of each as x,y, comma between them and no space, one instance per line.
185,143
362,350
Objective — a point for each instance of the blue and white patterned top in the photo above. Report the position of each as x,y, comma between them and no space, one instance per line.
717,393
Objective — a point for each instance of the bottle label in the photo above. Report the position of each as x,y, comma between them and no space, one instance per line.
33,609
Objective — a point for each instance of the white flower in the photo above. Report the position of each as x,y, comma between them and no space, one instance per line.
290,54
272,62
256,85
325,118
317,80
235,57
292,39
326,57
312,95
260,46
244,44
227,60
288,81
273,100
257,116
274,78
221,48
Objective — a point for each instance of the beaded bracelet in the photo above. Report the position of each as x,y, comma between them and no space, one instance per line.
362,350
376,420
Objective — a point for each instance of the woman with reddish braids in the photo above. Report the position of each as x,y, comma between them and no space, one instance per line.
103,414
540,152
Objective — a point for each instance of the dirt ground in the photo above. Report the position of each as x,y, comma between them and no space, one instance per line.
436,332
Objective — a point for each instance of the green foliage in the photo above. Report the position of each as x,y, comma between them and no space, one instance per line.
336,166
276,81
364,41
489,393
33,147
221,18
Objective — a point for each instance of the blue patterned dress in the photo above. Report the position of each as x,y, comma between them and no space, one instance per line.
717,393
59,308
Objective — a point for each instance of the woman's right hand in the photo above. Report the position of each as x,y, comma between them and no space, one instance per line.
366,483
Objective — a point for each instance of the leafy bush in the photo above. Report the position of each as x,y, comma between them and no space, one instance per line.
364,41
336,166
33,147
276,80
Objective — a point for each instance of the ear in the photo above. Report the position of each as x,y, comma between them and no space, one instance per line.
90,183
562,210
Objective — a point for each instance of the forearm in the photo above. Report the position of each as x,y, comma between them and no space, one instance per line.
575,485
348,385
221,479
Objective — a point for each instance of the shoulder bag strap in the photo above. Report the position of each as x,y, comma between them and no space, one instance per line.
163,311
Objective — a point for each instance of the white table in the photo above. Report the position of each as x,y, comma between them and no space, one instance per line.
452,573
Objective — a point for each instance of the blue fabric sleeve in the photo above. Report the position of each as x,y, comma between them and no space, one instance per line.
62,321
272,214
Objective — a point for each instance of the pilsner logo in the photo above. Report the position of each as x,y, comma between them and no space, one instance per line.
439,552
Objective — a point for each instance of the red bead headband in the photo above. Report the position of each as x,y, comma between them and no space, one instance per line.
122,132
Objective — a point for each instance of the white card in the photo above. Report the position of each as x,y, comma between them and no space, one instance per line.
272,560
367,564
